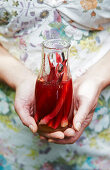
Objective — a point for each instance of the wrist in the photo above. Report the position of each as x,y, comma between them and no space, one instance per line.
101,71
24,75
13,72
100,81
99,77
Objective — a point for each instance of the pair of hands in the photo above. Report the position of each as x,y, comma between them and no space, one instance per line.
87,89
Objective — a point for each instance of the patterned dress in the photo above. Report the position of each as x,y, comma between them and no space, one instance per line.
24,24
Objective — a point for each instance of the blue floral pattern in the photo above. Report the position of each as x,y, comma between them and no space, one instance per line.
3,164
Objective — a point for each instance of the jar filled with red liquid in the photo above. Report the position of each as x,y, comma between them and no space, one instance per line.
54,88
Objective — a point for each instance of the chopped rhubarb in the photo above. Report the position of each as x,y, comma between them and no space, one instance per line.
68,104
50,124
59,118
58,58
36,117
55,111
54,94
52,75
65,74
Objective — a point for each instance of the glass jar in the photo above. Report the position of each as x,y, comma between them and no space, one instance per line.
54,87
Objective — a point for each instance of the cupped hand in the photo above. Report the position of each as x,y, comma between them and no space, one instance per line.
25,107
25,102
87,89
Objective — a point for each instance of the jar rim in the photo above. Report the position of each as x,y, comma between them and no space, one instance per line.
56,44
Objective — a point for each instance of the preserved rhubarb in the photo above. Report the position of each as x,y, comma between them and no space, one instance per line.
54,90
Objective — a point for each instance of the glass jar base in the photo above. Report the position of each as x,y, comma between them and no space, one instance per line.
46,129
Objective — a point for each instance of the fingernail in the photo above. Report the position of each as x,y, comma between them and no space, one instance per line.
69,132
31,128
50,141
78,126
61,136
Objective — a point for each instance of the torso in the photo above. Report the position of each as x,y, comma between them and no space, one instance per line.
23,15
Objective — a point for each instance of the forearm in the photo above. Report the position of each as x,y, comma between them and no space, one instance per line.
101,70
12,71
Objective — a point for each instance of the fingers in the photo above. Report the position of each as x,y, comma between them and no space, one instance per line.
28,121
53,135
57,135
68,140
32,124
69,132
80,116
25,117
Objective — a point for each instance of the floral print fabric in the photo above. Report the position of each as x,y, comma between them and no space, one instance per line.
24,24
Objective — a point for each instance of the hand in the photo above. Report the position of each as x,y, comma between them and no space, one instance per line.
25,107
25,103
20,80
87,89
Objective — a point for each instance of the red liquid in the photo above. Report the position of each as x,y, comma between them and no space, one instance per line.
53,102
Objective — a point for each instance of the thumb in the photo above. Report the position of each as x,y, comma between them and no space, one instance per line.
26,119
80,116
31,124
